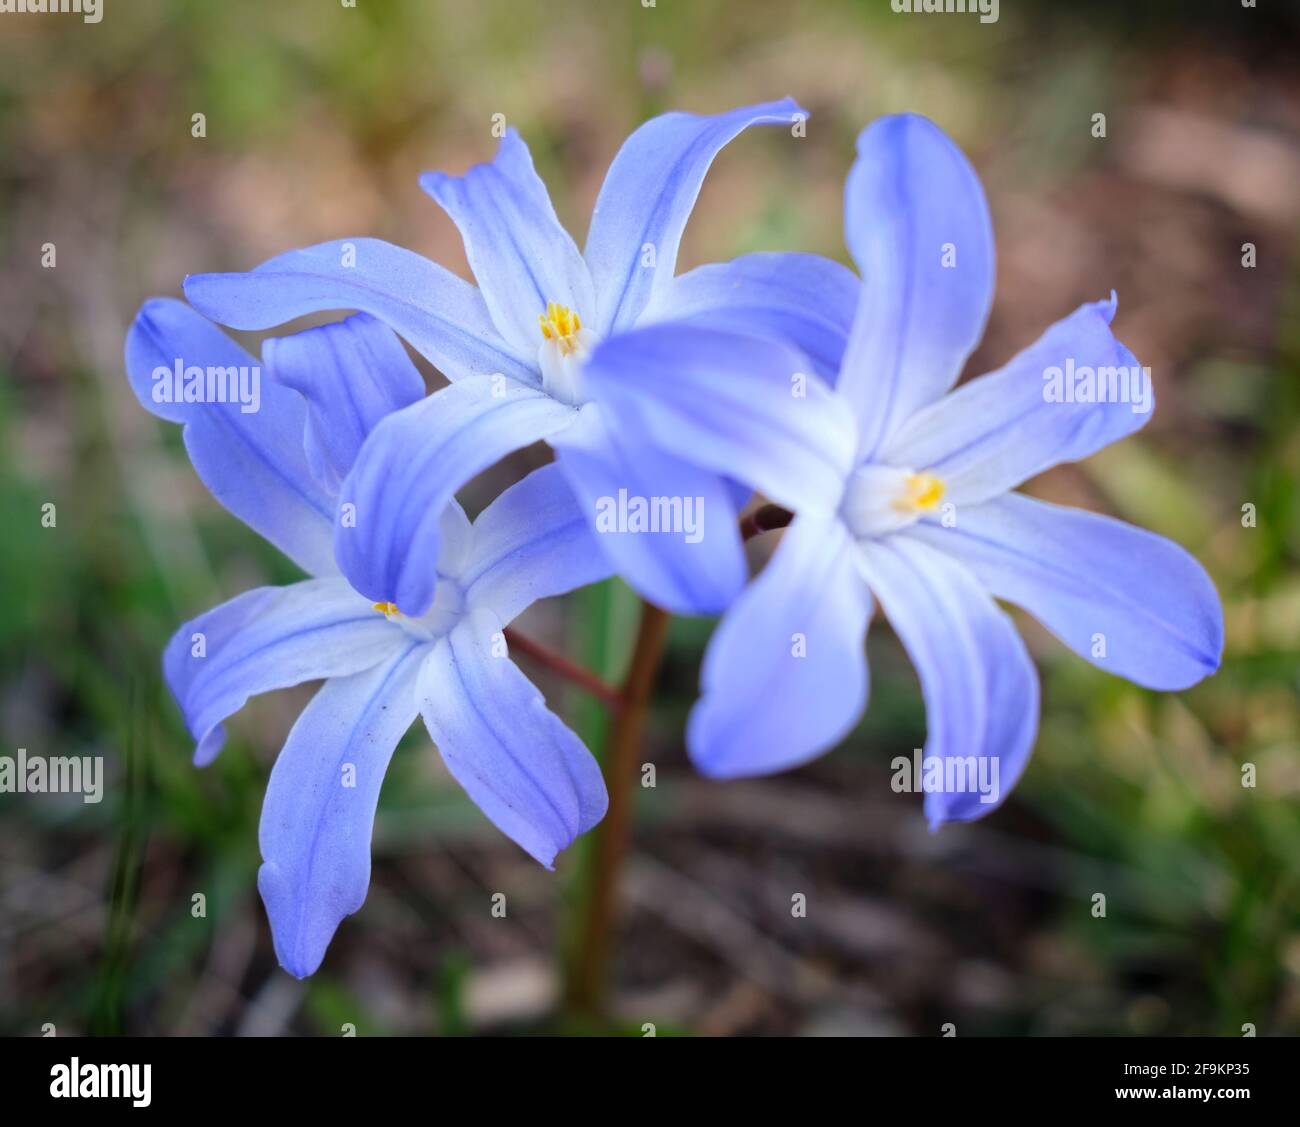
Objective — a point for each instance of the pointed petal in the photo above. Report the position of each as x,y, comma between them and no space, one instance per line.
410,468
647,197
802,299
520,255
443,317
526,771
980,688
455,538
319,810
532,542
918,227
1006,427
352,374
698,567
253,462
1131,602
266,639
785,675
747,408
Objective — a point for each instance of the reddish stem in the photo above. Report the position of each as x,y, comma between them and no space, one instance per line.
563,667
766,518
589,971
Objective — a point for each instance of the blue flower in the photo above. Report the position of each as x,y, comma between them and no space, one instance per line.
515,351
920,514
278,469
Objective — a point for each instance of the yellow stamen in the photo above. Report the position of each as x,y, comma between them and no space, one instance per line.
560,323
923,493
388,610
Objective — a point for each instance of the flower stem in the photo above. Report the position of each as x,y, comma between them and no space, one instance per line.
563,667
766,518
589,963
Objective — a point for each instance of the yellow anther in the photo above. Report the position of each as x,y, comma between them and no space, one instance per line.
388,610
922,493
561,324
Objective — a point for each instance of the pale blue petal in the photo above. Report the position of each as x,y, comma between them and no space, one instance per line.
517,760
785,675
911,204
1131,602
252,461
695,566
391,504
456,537
747,408
443,317
532,542
319,810
980,688
520,255
352,374
647,197
803,299
1003,428
265,639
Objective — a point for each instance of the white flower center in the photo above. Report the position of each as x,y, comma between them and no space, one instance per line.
565,345
448,607
882,499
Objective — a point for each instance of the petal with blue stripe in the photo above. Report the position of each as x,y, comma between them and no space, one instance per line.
319,810
252,461
647,197
517,760
266,639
